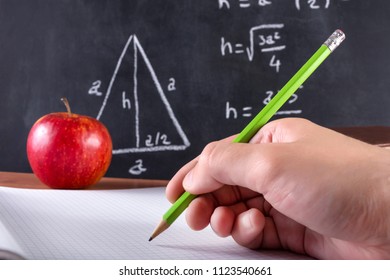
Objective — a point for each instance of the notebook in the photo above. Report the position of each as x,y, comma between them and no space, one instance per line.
105,225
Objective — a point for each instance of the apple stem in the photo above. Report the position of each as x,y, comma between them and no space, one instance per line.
65,100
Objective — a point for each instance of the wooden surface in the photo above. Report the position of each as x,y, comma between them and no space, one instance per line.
27,180
377,135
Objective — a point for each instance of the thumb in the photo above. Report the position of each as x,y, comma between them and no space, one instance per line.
223,163
247,165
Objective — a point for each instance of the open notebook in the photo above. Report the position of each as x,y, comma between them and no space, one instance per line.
105,224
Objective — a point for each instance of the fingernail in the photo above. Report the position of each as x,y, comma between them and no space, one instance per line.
187,182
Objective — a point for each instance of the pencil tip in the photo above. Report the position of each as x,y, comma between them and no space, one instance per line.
163,225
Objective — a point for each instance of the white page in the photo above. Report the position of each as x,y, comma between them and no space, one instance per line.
109,224
9,248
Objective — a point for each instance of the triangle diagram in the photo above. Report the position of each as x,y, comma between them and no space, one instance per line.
135,108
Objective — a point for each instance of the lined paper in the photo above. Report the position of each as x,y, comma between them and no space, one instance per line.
106,224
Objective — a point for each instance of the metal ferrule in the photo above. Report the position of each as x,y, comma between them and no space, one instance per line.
335,40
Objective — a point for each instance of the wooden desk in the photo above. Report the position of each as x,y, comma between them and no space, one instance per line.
377,135
27,180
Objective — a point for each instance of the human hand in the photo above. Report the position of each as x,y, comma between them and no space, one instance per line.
296,186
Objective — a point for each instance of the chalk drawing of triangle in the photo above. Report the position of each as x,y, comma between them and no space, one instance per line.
128,97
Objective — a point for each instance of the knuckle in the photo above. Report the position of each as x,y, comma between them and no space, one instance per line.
208,154
268,167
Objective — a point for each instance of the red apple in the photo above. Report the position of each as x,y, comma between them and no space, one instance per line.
69,151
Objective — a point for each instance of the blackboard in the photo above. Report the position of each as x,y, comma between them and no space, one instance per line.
167,77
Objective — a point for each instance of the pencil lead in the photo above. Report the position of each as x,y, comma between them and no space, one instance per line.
150,238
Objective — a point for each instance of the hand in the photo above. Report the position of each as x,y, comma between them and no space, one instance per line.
296,186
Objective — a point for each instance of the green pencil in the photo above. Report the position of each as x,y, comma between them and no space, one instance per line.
261,118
